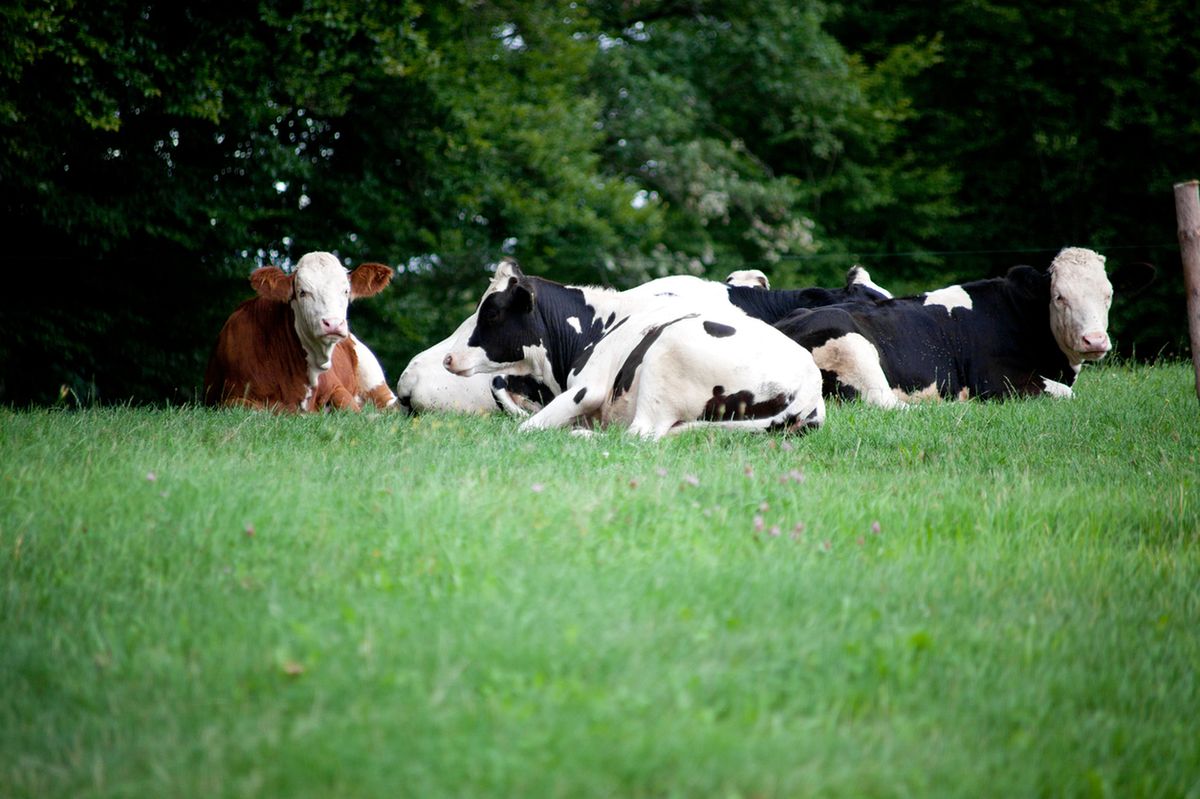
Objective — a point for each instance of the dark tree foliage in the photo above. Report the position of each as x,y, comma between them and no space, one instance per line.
153,153
1061,124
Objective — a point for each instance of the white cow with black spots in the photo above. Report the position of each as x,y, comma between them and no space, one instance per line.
426,386
658,367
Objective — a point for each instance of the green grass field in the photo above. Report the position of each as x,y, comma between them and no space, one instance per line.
958,600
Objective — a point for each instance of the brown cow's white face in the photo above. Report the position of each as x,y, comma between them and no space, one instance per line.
1080,296
320,300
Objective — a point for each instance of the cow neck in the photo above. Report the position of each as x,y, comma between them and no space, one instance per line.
556,304
318,355
769,305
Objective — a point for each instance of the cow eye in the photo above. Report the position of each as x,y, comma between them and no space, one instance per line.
1060,299
302,294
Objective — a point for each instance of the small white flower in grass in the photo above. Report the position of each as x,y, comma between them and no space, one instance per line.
691,479
774,531
764,507
796,476
249,530
661,471
786,446
875,528
537,488
758,523
151,477
748,471
798,531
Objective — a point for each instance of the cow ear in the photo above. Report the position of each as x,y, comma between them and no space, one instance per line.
1028,280
1129,279
508,267
369,279
272,283
523,297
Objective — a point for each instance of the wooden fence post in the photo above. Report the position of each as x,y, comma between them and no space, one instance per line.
1187,213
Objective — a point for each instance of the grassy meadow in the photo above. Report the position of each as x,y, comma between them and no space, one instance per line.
958,600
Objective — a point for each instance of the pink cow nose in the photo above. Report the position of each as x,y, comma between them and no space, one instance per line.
1095,342
334,327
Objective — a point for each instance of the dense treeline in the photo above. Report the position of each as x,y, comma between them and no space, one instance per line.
153,153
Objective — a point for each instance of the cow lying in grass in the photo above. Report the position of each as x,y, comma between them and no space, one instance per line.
289,348
657,367
426,386
1023,334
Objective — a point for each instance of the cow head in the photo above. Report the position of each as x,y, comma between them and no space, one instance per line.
319,291
506,329
754,278
1080,296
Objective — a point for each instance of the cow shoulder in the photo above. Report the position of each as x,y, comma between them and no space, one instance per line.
812,327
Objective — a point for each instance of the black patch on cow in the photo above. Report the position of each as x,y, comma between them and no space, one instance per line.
522,390
718,330
580,394
624,379
585,356
537,392
505,324
609,321
772,305
741,405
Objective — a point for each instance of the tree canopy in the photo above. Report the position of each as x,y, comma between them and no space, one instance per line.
153,153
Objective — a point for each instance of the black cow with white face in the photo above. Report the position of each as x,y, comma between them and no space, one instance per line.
1023,334
658,365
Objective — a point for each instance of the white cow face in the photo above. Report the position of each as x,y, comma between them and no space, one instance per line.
320,299
1080,296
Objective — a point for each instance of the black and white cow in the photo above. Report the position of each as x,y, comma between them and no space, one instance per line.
1023,334
425,385
659,367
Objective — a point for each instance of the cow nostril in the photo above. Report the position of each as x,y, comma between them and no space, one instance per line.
448,361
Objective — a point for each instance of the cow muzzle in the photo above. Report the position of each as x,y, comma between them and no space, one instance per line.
457,363
1095,345
334,328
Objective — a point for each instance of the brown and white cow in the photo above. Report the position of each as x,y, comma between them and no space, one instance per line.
290,349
